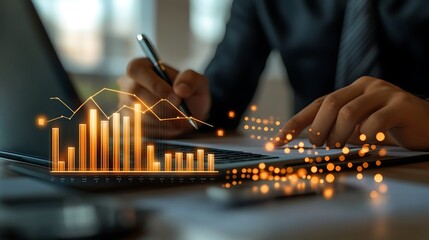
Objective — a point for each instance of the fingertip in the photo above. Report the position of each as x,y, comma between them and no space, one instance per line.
183,90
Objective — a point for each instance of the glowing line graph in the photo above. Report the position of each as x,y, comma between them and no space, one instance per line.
148,108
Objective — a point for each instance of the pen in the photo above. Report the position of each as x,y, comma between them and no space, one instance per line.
159,67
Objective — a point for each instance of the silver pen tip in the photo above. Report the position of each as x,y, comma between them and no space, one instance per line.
192,122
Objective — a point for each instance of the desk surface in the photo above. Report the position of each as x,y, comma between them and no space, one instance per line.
397,210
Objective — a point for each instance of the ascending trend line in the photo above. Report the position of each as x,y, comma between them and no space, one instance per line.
91,98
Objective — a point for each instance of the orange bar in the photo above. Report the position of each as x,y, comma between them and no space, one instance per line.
82,147
210,162
200,159
126,142
93,139
55,148
116,141
156,166
189,162
150,157
137,137
179,161
61,166
71,158
104,149
167,163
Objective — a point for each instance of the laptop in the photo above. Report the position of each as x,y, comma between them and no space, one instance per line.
31,73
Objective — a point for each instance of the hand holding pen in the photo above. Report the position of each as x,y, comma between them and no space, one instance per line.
152,80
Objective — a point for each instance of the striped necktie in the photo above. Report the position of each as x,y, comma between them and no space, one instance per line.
358,51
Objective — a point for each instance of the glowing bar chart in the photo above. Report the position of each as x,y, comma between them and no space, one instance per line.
106,146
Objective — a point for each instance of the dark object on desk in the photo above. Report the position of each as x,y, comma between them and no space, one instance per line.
70,219
260,191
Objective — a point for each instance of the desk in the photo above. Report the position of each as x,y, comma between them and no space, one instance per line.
186,212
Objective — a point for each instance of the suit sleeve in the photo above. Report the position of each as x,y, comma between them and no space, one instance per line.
238,62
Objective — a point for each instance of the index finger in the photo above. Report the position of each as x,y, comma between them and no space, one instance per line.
297,123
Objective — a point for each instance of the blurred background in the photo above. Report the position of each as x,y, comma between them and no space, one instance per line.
95,40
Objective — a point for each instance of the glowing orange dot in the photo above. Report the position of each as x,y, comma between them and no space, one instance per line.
378,162
346,150
246,118
380,136
362,137
337,168
327,158
337,144
328,193
231,114
383,188
289,137
349,165
253,108
301,150
276,170
277,123
269,146
220,133
246,126
359,176
234,171
313,169
264,189
301,144
330,178
378,177
382,152
330,167
287,150
255,177
258,120
301,172
342,158
373,194
261,166
365,165
255,171
41,121
359,169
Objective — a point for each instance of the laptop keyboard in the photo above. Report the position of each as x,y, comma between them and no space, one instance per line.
222,156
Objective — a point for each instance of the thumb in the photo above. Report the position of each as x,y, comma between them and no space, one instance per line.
189,83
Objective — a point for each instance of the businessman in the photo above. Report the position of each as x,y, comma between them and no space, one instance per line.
356,67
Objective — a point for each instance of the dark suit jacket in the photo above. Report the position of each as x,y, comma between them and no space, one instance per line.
307,35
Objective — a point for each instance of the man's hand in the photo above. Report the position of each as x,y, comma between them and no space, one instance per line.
189,86
367,106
